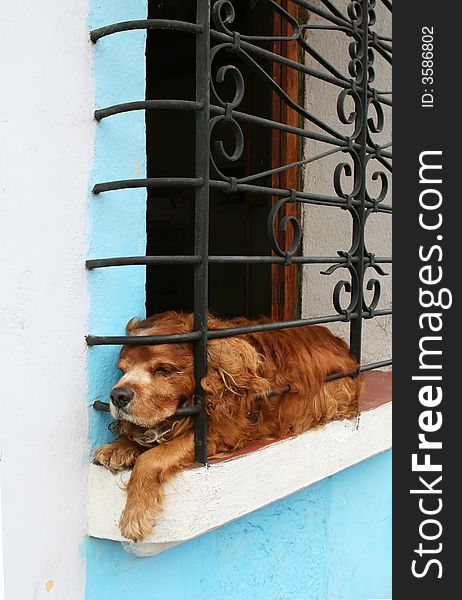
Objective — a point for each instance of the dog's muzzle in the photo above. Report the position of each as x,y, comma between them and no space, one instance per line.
120,397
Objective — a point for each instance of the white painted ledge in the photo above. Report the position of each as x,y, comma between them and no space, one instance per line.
201,499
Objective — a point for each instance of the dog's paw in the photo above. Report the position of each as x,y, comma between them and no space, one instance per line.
116,457
136,523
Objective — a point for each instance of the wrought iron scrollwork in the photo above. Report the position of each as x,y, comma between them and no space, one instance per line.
360,178
360,202
219,151
277,224
365,117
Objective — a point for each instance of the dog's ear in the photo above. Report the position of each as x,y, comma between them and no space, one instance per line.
131,325
178,322
234,366
135,324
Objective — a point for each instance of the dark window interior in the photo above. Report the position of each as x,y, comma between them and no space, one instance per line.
237,220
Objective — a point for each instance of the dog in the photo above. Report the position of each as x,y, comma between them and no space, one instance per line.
258,386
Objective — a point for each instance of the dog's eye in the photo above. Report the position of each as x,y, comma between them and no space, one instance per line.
163,371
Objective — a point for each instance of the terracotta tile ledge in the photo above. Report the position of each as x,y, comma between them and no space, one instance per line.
377,391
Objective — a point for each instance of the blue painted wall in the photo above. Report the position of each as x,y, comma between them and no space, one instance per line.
117,220
331,541
328,542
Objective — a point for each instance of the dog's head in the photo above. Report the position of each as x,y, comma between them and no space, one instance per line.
156,380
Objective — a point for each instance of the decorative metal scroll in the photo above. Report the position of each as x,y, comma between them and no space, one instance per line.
365,165
365,120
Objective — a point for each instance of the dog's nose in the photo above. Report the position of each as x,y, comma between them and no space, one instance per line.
120,397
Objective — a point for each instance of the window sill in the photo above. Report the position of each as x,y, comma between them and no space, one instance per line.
201,499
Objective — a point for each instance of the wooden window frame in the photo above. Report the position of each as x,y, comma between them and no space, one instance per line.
286,148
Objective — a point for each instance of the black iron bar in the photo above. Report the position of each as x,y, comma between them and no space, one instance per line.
101,406
176,182
218,110
376,365
96,263
152,182
277,58
109,111
201,225
383,100
284,168
384,38
334,10
303,133
286,98
332,18
270,124
357,282
321,60
183,411
388,4
386,55
300,260
385,163
301,197
143,340
340,141
383,312
234,331
157,340
186,411
387,47
362,369
130,261
341,28
342,22
167,24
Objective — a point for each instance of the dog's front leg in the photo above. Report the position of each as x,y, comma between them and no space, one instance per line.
144,491
118,455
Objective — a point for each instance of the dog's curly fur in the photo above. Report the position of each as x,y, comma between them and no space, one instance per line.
242,370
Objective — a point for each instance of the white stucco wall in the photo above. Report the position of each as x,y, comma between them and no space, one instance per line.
326,229
2,588
46,146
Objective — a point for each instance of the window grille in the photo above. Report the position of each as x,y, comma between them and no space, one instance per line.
215,36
